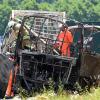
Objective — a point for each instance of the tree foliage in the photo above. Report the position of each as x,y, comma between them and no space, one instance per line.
81,10
4,17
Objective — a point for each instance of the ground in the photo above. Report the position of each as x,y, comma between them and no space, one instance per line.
49,95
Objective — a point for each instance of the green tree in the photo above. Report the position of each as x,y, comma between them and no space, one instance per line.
44,6
48,1
81,10
28,5
4,17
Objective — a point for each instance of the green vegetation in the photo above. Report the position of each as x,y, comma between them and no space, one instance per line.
48,94
62,95
81,10
65,96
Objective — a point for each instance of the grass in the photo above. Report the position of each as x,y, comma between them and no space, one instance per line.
94,95
62,95
49,94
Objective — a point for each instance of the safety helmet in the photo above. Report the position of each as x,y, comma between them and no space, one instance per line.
11,23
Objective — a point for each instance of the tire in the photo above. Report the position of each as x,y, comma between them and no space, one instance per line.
5,67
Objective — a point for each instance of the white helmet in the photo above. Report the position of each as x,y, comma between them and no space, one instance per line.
15,24
11,24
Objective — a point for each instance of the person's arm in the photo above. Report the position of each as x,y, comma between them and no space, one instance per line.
70,37
59,40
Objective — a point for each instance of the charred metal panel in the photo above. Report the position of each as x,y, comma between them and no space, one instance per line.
39,68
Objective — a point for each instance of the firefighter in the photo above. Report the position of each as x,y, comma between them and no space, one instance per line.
65,39
14,26
15,29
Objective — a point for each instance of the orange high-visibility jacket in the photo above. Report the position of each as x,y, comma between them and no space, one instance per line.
67,38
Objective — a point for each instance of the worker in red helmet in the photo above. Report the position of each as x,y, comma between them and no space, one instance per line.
65,39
